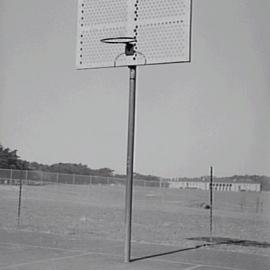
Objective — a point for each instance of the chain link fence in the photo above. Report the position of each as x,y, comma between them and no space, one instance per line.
10,176
84,206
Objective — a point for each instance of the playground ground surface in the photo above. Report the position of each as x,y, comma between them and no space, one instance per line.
81,227
23,250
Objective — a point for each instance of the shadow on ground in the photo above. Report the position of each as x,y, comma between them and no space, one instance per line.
214,241
231,241
167,253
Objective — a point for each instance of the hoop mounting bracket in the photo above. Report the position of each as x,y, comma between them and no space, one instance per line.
130,49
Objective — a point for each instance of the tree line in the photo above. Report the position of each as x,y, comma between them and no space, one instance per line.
9,159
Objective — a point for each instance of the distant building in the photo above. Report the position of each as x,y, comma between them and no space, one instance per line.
219,184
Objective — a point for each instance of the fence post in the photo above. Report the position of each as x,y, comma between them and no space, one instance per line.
20,200
11,176
211,203
73,179
42,178
26,177
90,178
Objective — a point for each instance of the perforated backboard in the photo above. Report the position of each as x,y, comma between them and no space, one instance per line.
161,29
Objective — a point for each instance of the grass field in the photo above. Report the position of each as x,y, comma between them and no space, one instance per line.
161,215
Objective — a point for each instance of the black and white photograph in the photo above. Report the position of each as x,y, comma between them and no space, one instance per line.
134,135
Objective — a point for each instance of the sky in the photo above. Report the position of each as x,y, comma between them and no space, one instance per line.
214,111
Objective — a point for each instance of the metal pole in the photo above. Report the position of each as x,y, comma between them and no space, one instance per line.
211,202
130,158
20,200
73,179
11,176
90,180
42,178
26,177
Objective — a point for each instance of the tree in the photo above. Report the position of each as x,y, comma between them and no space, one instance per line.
10,160
104,172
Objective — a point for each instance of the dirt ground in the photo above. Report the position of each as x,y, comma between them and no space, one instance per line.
163,216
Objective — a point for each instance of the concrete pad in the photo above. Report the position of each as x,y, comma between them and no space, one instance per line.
33,251
97,262
20,254
214,258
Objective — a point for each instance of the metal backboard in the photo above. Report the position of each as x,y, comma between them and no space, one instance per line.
161,29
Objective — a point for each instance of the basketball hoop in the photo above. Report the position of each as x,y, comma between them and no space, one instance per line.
130,47
153,32
119,40
129,42
144,33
